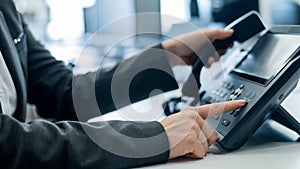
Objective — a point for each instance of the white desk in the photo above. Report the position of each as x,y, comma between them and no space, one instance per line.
272,146
267,149
270,156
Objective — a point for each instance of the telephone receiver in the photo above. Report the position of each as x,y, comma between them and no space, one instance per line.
263,75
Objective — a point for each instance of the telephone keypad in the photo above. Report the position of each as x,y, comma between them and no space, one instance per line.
227,91
236,93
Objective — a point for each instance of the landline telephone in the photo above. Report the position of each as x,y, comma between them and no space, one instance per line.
263,74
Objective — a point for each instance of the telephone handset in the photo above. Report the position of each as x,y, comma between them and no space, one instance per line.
264,76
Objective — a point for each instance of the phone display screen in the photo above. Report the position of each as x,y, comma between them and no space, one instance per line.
268,57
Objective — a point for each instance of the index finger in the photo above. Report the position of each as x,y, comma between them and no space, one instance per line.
218,34
211,110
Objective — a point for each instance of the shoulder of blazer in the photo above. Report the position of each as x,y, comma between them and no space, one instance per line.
12,17
14,21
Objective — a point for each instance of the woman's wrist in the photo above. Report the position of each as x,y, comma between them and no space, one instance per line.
177,52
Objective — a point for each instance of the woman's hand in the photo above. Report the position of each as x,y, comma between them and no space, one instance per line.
195,45
189,134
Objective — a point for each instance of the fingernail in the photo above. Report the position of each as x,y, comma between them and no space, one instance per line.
229,31
242,102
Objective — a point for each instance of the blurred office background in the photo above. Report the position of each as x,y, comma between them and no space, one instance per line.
64,25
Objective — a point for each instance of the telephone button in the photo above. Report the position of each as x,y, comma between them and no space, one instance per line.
230,86
239,93
235,112
225,122
250,95
217,117
227,85
236,92
232,97
218,92
222,95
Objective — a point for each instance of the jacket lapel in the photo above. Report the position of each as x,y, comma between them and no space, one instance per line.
11,57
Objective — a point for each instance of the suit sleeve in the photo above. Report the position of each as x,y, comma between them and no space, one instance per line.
51,85
132,80
49,82
42,144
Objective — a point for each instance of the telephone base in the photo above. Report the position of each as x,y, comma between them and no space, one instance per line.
283,117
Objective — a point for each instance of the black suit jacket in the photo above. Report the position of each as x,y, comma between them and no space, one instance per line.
41,80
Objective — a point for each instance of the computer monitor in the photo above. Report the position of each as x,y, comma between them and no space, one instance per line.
104,12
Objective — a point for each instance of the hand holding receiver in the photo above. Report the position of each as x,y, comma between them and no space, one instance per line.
244,28
223,44
187,48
